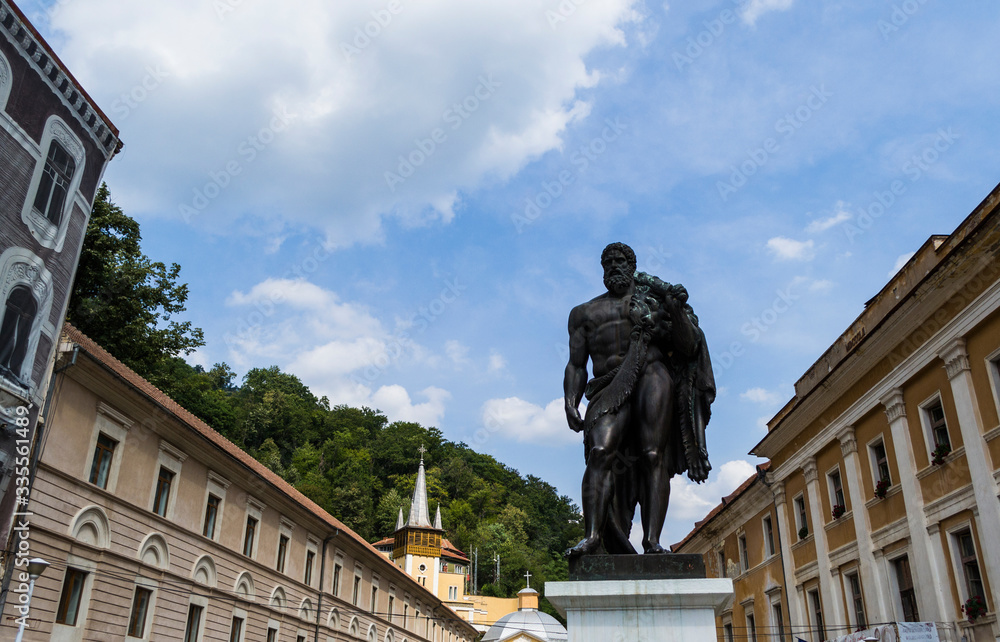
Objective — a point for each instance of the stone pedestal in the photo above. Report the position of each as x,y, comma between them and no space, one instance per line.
640,610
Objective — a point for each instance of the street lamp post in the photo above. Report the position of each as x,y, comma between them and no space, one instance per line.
36,567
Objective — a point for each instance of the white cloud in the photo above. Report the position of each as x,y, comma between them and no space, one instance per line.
756,8
761,396
786,249
456,352
395,402
821,285
497,363
690,501
524,421
432,95
900,262
821,225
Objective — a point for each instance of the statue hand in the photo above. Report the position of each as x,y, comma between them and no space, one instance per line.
574,419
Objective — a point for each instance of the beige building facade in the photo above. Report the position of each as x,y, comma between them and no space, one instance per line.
158,528
880,500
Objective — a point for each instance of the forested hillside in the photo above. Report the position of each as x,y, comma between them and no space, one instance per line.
351,461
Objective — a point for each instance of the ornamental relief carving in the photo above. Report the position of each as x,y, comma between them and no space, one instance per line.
30,275
62,133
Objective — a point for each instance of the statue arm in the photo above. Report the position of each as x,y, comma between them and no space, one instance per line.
575,380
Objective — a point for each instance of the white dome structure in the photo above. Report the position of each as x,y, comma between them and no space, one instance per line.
527,624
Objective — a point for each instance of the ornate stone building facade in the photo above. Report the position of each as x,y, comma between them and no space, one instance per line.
158,528
54,146
880,503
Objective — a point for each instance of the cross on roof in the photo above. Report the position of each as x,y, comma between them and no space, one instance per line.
527,576
421,450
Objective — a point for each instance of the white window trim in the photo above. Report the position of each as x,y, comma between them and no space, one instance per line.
727,621
171,458
63,632
749,613
312,546
993,369
811,610
774,600
797,515
116,426
255,508
763,533
240,613
154,586
215,485
48,235
956,558
897,602
338,560
925,422
6,81
273,624
743,548
19,266
285,528
873,462
845,581
832,490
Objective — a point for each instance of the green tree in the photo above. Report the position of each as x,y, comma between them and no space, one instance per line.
126,302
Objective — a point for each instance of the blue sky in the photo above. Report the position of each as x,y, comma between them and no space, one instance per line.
400,202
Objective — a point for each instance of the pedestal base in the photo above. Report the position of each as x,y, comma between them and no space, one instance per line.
640,610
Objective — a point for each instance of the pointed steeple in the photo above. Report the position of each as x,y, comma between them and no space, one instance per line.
399,521
437,519
419,513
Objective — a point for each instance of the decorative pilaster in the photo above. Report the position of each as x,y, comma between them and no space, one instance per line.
787,560
977,456
872,580
831,605
931,601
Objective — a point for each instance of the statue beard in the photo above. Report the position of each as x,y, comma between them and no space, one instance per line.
617,281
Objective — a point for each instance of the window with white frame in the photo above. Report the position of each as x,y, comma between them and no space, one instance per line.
238,625
879,461
6,80
215,496
722,563
338,567
968,562
141,612
768,528
778,621
72,596
801,519
816,614
836,489
935,425
744,553
285,528
251,530
54,184
857,600
26,293
168,473
751,628
993,368
312,546
904,584
727,629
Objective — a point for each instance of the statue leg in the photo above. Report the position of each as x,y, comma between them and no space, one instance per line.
603,438
654,408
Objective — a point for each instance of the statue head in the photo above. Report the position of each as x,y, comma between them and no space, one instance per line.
618,261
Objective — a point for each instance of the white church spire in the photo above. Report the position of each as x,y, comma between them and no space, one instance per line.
437,518
419,513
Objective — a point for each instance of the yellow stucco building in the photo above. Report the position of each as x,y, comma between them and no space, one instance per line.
880,499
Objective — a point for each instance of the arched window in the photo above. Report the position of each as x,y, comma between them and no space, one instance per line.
204,571
153,551
372,634
91,526
355,629
6,80
50,197
54,184
278,600
244,586
19,314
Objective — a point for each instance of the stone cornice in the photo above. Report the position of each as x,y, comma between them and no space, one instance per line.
172,451
114,415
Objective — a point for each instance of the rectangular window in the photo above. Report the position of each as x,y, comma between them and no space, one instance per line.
272,635
56,178
722,564
836,489
300,638
857,602
970,565
162,496
103,454
357,590
744,554
374,601
392,607
236,631
336,580
817,609
249,536
728,628
211,513
778,619
282,553
878,456
751,628
193,623
406,614
907,596
140,609
938,426
69,601
768,536
308,578
801,521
